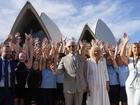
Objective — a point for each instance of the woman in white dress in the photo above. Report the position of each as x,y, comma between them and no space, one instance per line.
97,77
132,83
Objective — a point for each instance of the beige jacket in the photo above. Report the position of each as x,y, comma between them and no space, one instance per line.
74,73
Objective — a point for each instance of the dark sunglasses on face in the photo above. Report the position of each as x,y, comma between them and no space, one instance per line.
72,46
13,52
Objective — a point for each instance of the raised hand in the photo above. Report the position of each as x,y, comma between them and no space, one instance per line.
111,53
37,42
53,45
125,38
53,68
93,42
38,53
116,51
102,45
31,40
58,45
18,38
17,34
43,46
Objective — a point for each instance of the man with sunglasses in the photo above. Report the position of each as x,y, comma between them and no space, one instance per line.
74,68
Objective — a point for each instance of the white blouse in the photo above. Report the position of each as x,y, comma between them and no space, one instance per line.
133,79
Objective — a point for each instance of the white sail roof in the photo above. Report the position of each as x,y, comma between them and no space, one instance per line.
27,17
86,34
52,28
102,32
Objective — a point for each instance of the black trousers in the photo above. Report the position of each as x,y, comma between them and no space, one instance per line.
114,93
33,96
48,96
6,96
84,98
60,95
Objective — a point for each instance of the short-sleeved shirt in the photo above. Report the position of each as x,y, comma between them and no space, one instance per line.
48,79
123,74
113,75
60,78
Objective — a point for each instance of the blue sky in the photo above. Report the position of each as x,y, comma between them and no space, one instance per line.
71,15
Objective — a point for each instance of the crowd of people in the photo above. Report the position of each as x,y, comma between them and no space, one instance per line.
69,73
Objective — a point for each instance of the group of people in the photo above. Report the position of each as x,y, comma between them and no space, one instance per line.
67,73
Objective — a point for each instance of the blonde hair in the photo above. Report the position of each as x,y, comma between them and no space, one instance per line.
92,49
130,52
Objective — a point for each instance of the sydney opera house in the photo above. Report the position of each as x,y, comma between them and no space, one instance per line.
100,31
28,21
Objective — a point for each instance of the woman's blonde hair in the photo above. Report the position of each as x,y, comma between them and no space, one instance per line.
130,53
92,49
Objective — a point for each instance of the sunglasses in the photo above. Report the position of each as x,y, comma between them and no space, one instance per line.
72,46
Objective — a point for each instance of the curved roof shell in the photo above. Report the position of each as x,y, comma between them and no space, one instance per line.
28,21
102,32
52,28
87,34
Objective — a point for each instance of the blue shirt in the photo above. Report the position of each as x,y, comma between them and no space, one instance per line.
60,78
48,79
123,74
113,75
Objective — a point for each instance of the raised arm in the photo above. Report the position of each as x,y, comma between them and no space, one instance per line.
82,49
112,54
56,54
60,49
123,49
46,46
60,67
18,47
25,47
30,52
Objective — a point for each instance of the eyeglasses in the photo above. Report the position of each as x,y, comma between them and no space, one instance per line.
13,52
72,46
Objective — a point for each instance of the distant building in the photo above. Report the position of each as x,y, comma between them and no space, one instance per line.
102,32
28,21
87,34
99,31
